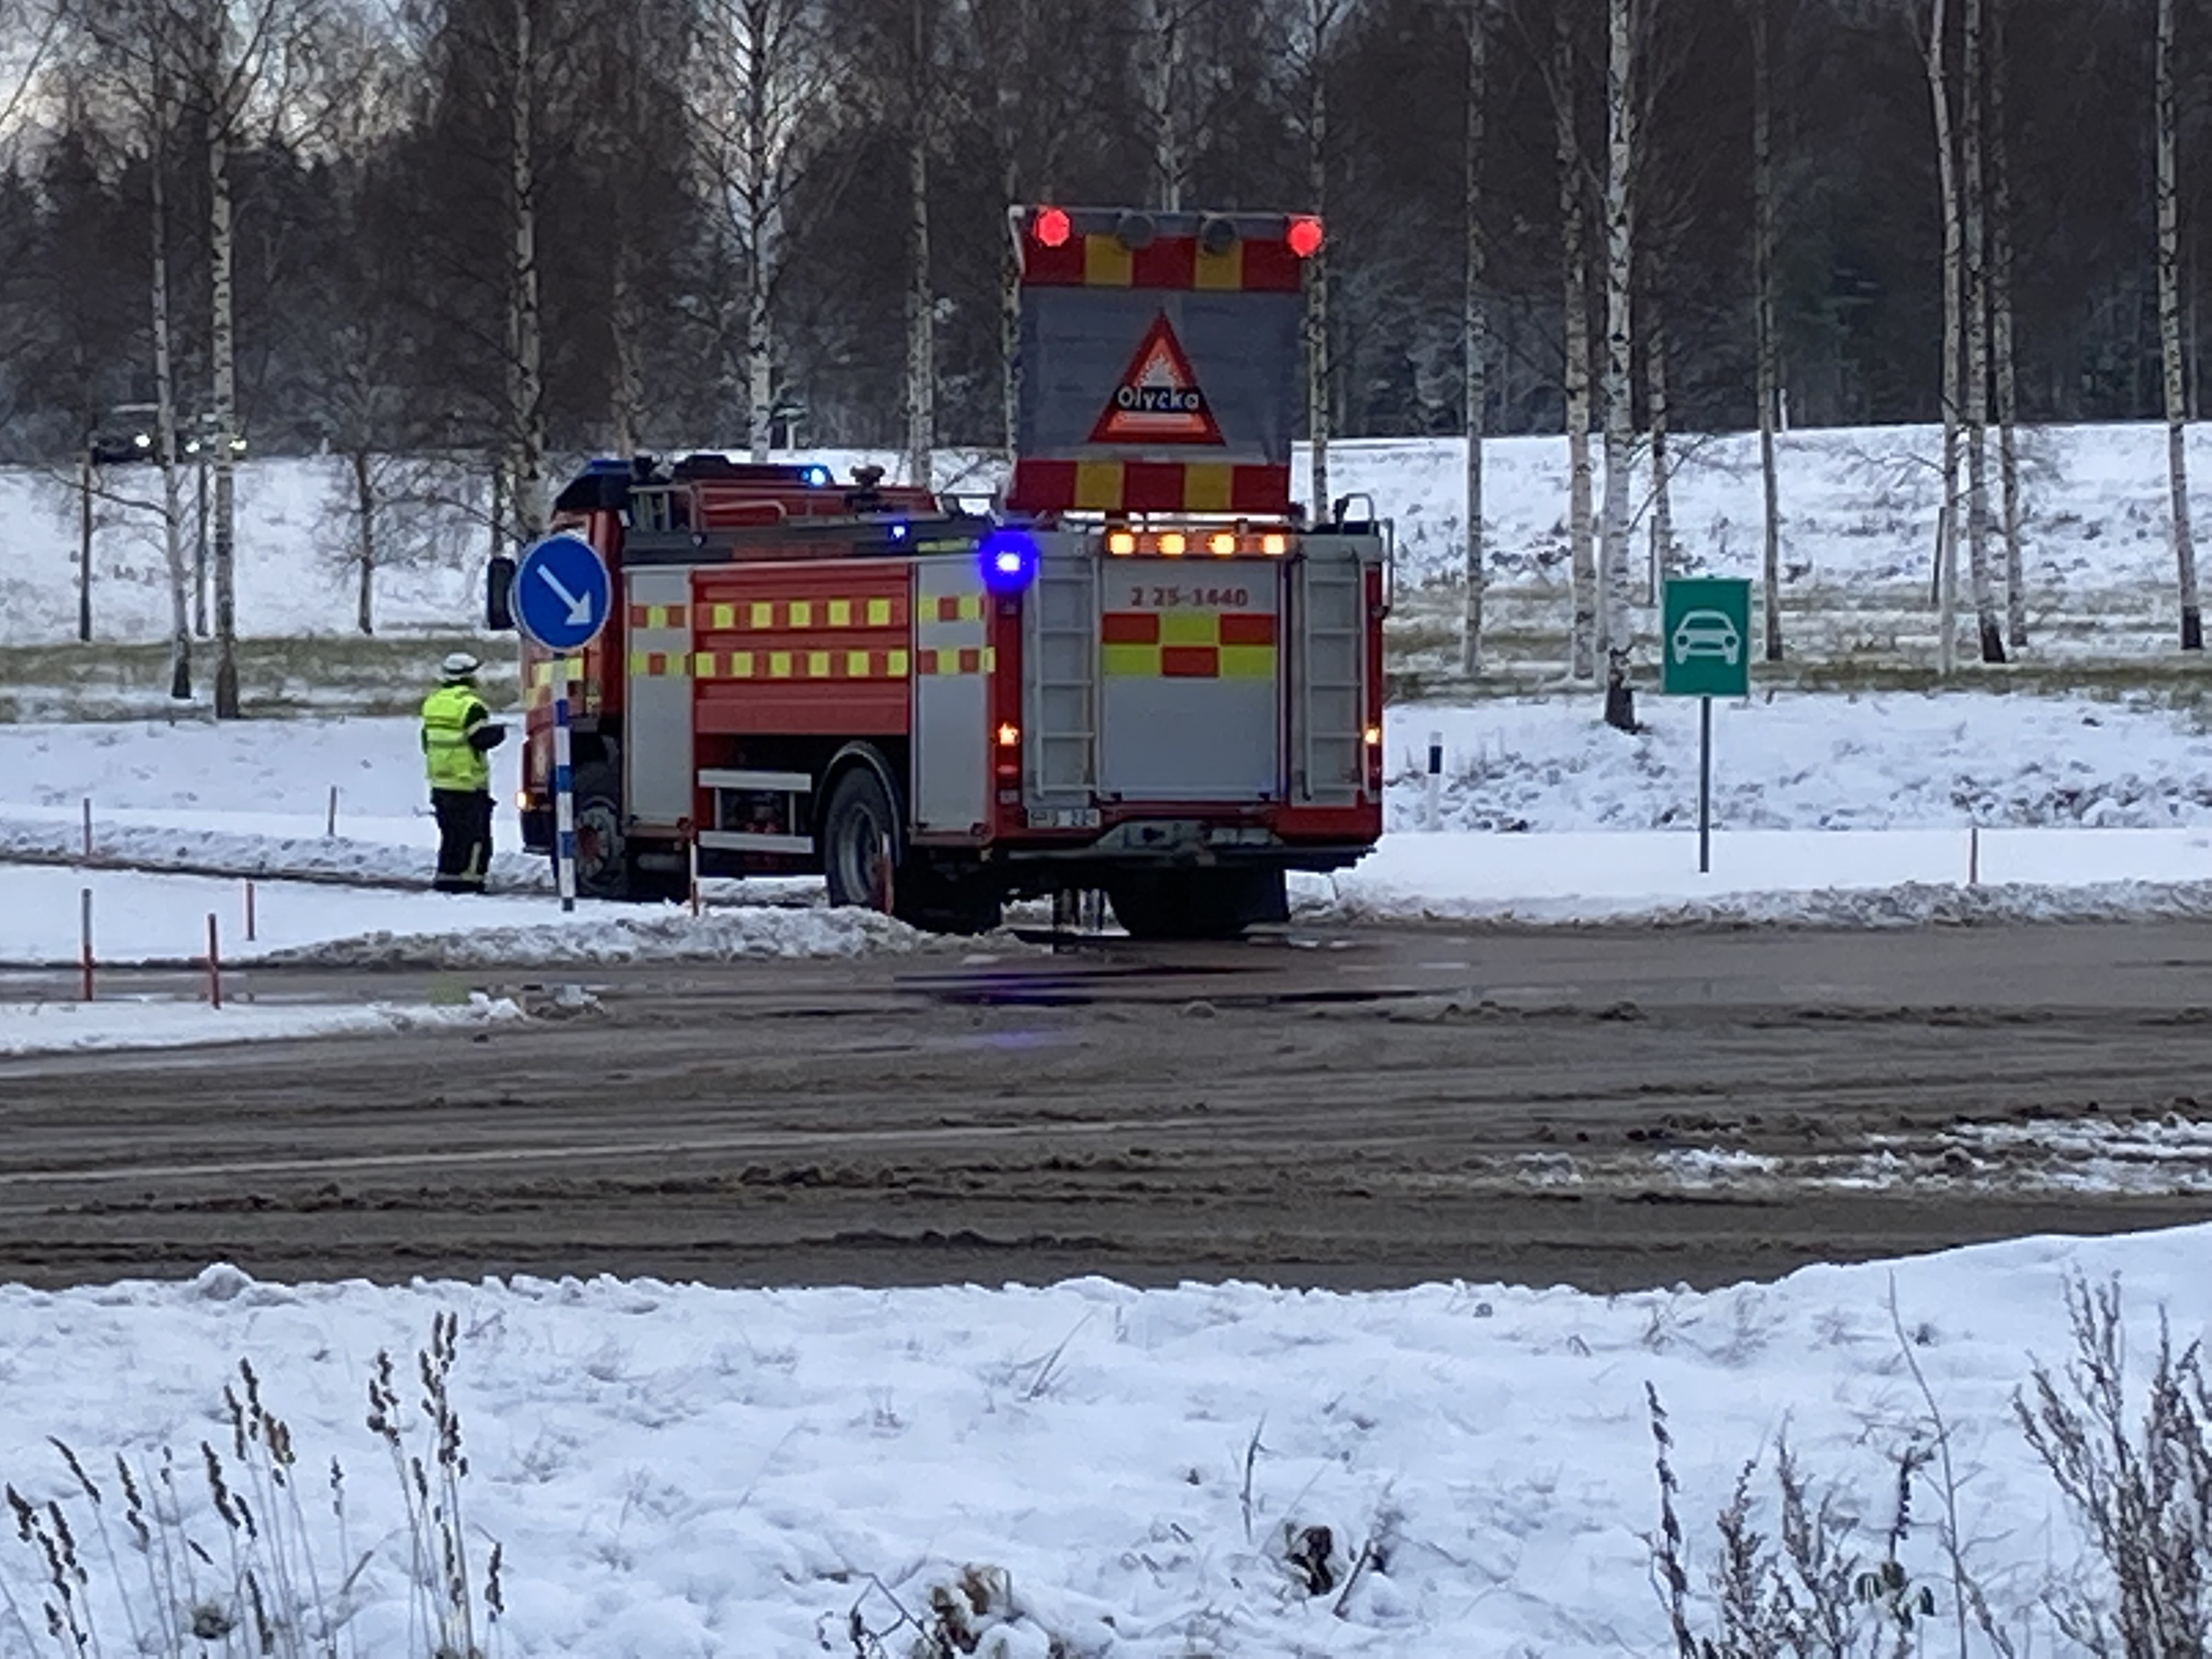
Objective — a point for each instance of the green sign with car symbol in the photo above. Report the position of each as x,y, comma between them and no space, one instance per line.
1706,637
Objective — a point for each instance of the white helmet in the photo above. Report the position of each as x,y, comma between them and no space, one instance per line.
458,667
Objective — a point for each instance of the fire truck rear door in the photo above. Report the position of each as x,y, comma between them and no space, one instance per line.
1190,680
952,662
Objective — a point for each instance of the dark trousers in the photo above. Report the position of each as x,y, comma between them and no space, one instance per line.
463,839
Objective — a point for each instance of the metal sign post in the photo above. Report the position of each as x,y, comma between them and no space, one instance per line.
1705,635
562,592
564,787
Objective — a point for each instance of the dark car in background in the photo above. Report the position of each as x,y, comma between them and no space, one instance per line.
124,435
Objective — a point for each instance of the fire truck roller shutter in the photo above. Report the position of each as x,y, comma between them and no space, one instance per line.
1191,682
952,664
658,758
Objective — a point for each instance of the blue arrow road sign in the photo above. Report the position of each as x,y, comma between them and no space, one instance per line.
561,593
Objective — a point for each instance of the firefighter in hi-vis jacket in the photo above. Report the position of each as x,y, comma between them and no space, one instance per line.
459,735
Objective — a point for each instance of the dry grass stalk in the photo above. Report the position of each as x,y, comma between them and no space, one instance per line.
2140,1490
267,1596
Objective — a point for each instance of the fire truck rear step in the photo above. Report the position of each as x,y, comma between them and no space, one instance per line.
795,787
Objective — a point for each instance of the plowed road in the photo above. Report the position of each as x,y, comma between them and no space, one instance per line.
1365,1109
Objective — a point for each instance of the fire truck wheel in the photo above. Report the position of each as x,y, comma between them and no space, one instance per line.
942,902
1196,904
602,858
856,831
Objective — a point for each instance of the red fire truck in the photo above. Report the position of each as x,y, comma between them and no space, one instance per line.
1144,670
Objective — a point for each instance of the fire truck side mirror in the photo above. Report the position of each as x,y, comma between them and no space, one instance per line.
499,594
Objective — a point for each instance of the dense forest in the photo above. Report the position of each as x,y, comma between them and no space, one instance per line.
729,198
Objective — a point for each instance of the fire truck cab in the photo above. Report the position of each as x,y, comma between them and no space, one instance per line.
1144,670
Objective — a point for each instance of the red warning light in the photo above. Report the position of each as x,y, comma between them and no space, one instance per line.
1051,228
1304,236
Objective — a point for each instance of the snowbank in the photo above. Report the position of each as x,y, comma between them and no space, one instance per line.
146,917
607,935
38,1027
1815,878
673,1469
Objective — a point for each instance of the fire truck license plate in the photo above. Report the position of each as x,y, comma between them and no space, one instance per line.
1193,596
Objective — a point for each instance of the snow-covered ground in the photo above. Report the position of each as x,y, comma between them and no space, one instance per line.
1809,761
1829,808
1859,506
676,1470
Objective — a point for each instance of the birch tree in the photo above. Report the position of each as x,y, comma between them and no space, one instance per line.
920,297
2001,324
232,56
162,112
762,76
1947,539
1574,268
1012,86
1313,41
136,53
1768,346
2169,330
1616,629
525,316
1164,89
1474,330
1976,302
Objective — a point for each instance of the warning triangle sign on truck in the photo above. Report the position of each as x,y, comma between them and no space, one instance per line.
1157,399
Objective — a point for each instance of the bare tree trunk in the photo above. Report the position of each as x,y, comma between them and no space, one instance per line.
920,305
1009,313
364,519
2001,323
1581,653
1474,332
756,187
628,324
1319,367
1977,345
1946,550
525,317
760,370
2169,332
165,397
1656,415
1765,243
222,348
84,477
1161,61
1616,629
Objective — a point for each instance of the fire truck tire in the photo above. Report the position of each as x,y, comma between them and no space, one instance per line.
858,822
602,853
942,902
1197,903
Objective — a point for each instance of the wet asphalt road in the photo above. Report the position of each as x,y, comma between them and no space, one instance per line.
1356,1110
